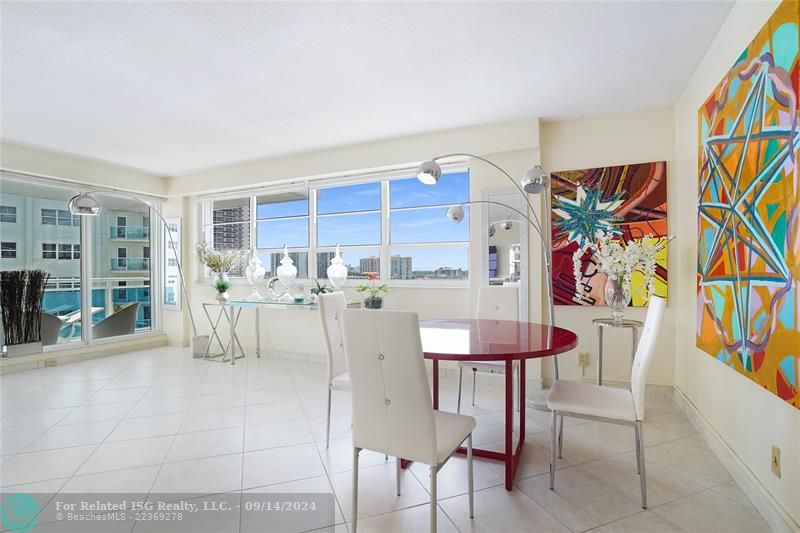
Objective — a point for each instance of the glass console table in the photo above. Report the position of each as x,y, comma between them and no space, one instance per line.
232,310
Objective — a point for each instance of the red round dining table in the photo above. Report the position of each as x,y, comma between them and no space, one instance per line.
494,340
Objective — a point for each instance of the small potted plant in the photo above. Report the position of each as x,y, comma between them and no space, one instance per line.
317,289
374,299
219,262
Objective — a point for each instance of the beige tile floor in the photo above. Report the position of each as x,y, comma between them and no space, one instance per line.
159,421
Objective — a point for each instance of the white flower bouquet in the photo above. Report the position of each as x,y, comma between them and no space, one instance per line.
618,259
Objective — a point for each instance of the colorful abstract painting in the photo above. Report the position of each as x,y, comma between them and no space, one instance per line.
748,256
629,201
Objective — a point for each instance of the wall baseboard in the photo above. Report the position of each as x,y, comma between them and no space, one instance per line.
79,353
778,519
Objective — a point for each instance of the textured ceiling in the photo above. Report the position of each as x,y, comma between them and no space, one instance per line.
175,87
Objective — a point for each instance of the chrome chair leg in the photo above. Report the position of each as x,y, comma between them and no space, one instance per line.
397,470
328,426
642,475
553,444
434,474
470,484
460,376
561,438
474,378
355,490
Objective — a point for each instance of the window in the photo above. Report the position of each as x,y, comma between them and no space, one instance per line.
283,219
61,251
396,228
231,229
41,233
48,251
65,251
60,217
49,217
425,244
8,250
8,213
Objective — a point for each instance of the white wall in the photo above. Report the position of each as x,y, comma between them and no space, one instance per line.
26,159
748,418
603,141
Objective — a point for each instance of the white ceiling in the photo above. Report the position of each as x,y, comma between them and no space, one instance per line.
175,87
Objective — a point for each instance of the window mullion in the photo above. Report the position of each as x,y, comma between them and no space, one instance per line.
384,249
312,234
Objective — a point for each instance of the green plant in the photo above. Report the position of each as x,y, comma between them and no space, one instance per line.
320,288
371,288
222,285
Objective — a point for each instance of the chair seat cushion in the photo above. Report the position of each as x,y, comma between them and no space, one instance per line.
341,382
451,430
491,367
592,400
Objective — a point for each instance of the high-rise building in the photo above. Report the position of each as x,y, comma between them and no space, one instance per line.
323,262
300,262
401,267
370,264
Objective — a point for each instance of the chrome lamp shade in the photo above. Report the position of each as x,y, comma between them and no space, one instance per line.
84,204
429,172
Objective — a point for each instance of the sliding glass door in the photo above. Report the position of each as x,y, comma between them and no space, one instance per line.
112,252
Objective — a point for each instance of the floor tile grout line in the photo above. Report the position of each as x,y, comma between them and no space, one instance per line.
321,460
80,466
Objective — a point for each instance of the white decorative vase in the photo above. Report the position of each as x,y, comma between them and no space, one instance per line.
255,272
287,272
337,271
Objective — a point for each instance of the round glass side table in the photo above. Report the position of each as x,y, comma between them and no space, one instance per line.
601,324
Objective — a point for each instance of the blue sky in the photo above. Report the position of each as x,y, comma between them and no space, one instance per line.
407,226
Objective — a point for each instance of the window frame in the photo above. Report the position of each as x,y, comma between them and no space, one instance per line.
8,247
8,214
385,248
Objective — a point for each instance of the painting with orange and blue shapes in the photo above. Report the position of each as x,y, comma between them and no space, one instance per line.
748,257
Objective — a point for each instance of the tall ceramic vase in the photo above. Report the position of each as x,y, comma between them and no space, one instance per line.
617,294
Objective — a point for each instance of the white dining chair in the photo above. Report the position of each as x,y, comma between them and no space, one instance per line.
494,303
331,306
609,404
392,408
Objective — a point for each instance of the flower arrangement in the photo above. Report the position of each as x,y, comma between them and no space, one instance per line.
219,262
619,259
374,299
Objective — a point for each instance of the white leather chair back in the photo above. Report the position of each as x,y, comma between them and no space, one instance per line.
331,306
498,303
392,410
645,352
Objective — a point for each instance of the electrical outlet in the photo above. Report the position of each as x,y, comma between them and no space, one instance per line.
583,359
775,463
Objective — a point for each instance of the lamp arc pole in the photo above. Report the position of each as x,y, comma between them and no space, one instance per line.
544,243
150,208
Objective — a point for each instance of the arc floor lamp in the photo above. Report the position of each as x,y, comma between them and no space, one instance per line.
534,181
84,204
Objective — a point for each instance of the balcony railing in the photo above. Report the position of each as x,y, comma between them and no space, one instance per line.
130,233
130,264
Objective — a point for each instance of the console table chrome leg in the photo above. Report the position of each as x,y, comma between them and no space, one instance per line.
232,319
599,356
258,334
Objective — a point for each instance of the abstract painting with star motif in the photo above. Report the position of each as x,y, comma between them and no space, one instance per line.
628,201
748,255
